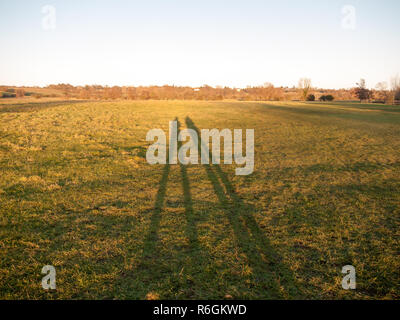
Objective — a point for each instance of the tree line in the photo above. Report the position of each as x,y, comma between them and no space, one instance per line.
383,93
265,92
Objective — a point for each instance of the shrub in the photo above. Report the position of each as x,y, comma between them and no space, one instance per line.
328,97
310,97
8,95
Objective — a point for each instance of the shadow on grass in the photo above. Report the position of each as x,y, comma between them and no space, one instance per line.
202,271
267,267
192,272
362,106
378,116
191,230
36,106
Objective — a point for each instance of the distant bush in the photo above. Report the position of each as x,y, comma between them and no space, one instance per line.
10,90
328,97
310,97
37,96
8,95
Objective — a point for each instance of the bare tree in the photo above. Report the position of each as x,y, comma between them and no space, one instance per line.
395,86
131,92
395,82
393,93
116,92
381,91
20,93
305,87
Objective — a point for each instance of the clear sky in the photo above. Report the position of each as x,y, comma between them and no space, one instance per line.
185,42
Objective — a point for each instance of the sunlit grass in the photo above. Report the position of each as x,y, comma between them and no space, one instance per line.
76,192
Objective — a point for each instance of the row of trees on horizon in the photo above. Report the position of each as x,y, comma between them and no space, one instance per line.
381,94
267,92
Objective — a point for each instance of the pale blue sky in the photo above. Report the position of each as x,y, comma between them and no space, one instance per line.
234,43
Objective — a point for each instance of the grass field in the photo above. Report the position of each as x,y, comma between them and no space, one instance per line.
77,193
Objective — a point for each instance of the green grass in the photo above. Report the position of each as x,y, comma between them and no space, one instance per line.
76,192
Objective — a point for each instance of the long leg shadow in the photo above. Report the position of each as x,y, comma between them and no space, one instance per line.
148,270
200,261
268,269
155,271
150,241
149,265
191,230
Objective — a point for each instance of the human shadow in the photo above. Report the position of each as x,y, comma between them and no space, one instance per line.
268,269
201,268
192,272
152,235
191,229
150,240
183,272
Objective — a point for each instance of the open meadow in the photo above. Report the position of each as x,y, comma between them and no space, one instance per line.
77,193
